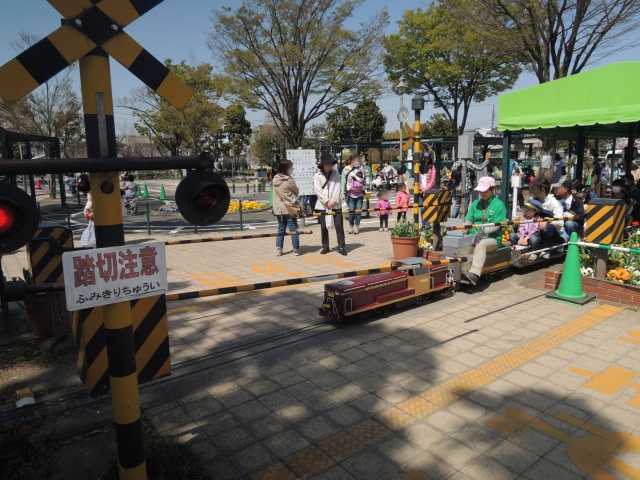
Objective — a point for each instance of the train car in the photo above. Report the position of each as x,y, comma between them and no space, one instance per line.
356,296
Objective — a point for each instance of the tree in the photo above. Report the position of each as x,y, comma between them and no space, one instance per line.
446,62
174,131
368,121
339,125
266,143
437,125
237,129
552,38
295,59
318,131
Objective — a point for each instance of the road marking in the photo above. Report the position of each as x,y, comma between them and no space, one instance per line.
408,412
273,269
215,279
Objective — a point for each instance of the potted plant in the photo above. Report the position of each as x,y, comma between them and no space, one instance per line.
405,237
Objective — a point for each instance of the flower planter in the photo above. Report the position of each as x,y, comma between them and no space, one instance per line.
405,247
431,255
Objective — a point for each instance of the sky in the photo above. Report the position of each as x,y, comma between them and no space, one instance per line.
178,29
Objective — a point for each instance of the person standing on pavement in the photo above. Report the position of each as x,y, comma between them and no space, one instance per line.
326,185
286,206
387,174
352,187
487,209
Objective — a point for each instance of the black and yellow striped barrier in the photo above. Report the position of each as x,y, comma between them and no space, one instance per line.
151,341
173,297
237,237
605,221
436,206
45,253
511,222
346,212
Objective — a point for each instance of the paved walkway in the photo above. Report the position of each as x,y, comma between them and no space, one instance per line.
498,384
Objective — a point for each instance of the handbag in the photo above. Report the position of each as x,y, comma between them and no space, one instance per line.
294,210
88,238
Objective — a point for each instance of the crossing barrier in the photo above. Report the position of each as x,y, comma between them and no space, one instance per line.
238,237
173,297
512,222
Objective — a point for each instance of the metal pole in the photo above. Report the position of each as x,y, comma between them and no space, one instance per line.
68,216
97,102
39,213
506,158
240,211
401,127
148,220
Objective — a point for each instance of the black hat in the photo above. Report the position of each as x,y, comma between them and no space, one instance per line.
327,159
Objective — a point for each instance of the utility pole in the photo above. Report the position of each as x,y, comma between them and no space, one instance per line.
417,104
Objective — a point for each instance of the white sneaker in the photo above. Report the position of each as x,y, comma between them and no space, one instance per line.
296,252
356,230
381,230
545,255
350,231
531,257
278,252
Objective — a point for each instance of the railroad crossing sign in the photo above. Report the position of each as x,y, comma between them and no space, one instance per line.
88,25
412,137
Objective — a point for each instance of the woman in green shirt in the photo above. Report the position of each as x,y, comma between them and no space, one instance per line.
487,209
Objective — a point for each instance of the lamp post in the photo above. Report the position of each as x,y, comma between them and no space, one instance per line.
401,89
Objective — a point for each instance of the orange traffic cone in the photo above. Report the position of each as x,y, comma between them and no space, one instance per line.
38,186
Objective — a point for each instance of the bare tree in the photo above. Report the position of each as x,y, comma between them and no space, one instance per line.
296,60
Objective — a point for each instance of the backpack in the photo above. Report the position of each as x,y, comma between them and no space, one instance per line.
456,175
355,187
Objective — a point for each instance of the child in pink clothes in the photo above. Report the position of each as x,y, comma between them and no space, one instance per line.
402,200
383,204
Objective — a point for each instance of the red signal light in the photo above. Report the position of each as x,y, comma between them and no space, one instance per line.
7,218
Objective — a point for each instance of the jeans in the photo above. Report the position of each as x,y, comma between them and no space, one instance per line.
456,206
339,226
550,236
571,226
292,223
354,203
534,241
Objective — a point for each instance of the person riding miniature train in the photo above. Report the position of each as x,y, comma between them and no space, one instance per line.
487,209
528,234
572,205
551,207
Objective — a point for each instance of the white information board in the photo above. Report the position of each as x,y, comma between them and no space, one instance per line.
101,276
304,169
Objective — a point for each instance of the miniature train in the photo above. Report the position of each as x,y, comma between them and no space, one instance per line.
360,295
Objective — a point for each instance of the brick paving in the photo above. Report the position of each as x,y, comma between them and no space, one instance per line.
498,384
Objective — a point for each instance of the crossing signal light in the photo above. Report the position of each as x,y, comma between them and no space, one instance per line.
203,197
18,218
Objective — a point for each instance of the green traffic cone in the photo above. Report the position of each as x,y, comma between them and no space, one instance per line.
139,191
570,288
163,195
146,191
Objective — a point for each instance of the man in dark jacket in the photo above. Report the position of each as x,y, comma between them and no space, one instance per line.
572,205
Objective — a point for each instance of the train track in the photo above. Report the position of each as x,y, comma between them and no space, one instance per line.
78,400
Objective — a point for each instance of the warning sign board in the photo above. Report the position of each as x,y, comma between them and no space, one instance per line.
103,276
304,169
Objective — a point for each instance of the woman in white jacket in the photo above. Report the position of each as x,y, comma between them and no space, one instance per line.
327,188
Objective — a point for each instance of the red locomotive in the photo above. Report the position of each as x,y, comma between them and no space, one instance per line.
359,295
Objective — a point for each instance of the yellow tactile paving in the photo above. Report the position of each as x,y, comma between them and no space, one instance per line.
418,407
342,445
369,432
309,462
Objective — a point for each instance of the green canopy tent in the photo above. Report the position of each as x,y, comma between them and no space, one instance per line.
602,102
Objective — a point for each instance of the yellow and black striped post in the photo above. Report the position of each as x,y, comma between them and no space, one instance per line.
417,104
97,102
